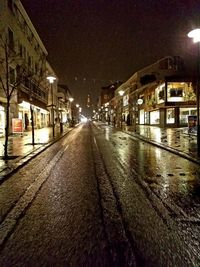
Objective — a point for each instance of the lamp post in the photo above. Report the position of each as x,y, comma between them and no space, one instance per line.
71,99
51,80
195,34
61,120
32,118
77,112
135,112
121,93
32,124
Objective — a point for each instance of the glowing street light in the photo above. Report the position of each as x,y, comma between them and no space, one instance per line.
121,93
71,99
51,80
195,35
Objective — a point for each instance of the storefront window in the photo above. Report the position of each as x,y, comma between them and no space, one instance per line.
146,118
142,116
184,113
160,94
176,92
170,116
155,117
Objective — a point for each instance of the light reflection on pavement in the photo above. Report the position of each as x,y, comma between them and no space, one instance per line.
20,145
173,179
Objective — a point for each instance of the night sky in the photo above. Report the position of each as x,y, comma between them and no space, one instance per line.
92,43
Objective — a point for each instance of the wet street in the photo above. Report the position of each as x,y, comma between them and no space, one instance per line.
100,197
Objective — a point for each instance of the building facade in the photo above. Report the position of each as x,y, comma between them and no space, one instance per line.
107,102
160,94
65,106
23,68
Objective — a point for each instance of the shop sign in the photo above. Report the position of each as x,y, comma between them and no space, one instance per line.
140,101
17,126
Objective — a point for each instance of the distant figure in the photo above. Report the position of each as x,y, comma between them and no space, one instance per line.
128,120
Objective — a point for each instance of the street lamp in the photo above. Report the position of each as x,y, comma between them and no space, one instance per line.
51,80
195,34
77,113
71,99
121,93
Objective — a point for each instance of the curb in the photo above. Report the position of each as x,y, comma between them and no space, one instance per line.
168,148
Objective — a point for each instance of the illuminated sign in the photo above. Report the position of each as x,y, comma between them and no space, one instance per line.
140,101
17,125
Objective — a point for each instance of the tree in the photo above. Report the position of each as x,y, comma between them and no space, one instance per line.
37,78
11,75
13,72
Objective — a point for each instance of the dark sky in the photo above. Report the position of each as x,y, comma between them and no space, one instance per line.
94,42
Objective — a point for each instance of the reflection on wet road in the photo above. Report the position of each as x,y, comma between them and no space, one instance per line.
171,177
99,197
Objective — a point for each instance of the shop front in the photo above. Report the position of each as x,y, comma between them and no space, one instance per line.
40,116
141,118
185,113
154,117
168,105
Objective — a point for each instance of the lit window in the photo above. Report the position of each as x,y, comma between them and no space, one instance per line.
170,116
177,92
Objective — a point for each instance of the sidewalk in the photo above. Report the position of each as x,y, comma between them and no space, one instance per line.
21,150
177,140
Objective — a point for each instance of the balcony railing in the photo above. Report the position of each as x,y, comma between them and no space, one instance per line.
33,89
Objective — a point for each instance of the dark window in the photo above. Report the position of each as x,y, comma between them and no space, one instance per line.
149,78
170,64
36,68
24,53
10,4
20,50
12,75
178,92
10,39
161,95
29,61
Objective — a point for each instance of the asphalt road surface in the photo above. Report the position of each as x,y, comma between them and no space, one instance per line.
99,197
